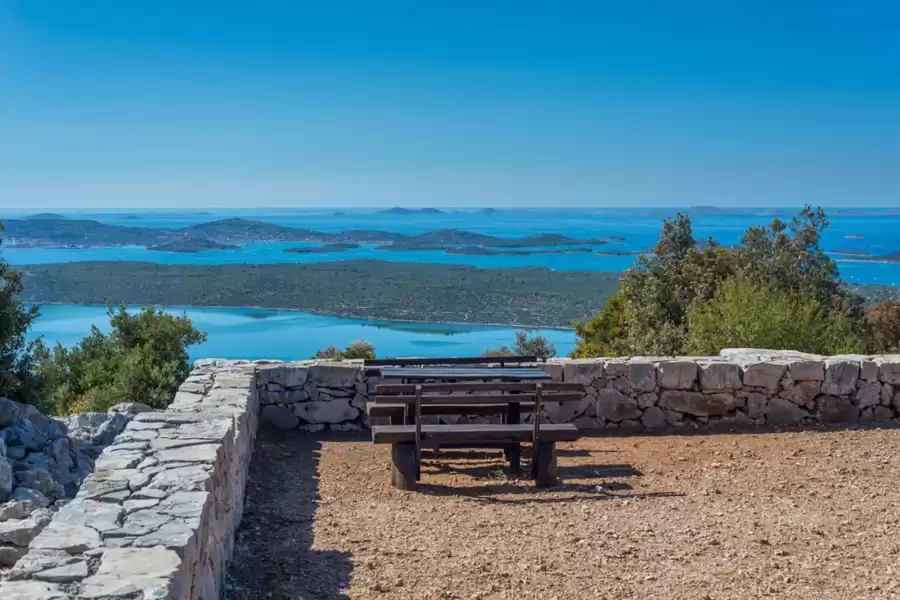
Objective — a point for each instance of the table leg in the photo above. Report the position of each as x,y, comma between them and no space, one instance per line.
514,451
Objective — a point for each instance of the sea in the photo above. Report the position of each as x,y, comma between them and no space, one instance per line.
255,333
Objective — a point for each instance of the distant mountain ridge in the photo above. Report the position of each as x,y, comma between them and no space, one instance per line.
56,233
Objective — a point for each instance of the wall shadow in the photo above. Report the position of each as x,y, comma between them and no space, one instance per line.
273,554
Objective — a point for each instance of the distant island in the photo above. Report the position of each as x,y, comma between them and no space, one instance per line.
44,216
81,233
849,253
190,245
397,210
132,218
486,211
853,236
893,257
481,250
618,252
322,248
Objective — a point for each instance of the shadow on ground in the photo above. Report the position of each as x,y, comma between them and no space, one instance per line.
273,555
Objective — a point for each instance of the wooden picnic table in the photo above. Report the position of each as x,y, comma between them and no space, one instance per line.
514,403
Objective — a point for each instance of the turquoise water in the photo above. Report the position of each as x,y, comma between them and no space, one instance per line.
285,335
879,233
252,333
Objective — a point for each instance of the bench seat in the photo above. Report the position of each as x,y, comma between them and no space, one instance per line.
452,434
399,410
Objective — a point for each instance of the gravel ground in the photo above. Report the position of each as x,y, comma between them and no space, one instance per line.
787,515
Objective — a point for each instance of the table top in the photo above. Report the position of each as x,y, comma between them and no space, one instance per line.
465,373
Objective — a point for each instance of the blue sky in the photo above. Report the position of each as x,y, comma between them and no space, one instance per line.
158,103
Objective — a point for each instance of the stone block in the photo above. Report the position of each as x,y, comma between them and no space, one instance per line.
697,404
653,418
764,374
286,376
756,405
677,374
335,375
882,413
642,376
719,376
783,412
841,376
888,368
615,406
337,410
868,394
647,400
280,416
582,370
807,370
833,409
125,571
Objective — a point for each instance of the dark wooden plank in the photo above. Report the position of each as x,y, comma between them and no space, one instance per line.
511,373
481,386
556,432
479,399
398,410
404,471
543,465
514,451
466,360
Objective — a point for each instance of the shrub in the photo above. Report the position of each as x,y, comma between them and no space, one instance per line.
537,346
882,324
359,349
143,359
745,315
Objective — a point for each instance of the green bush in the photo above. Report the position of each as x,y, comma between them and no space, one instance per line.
537,346
143,359
359,349
744,315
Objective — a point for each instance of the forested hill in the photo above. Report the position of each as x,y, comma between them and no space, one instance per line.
55,232
362,289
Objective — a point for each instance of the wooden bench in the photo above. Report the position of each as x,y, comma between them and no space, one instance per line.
507,399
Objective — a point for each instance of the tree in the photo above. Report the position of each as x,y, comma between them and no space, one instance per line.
604,333
16,376
360,349
537,346
882,323
744,314
143,359
649,314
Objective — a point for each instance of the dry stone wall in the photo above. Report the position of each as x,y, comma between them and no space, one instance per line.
156,518
741,388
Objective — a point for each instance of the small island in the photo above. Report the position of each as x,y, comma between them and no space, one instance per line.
853,236
322,248
849,253
190,245
399,210
43,216
618,252
482,251
893,257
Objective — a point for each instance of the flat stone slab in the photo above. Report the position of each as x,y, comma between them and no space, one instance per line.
125,571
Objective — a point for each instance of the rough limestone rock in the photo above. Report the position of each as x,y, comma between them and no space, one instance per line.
719,377
654,418
888,369
615,406
128,571
677,374
756,405
130,408
783,412
10,412
868,394
582,371
764,374
642,376
841,376
6,478
833,409
280,416
336,410
289,376
334,375
807,370
697,404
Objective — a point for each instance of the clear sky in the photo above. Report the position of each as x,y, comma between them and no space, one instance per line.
190,103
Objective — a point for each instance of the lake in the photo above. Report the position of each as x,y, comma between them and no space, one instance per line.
287,335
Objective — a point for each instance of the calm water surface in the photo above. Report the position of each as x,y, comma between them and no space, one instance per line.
255,333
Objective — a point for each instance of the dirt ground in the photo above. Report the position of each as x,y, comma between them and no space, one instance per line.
790,515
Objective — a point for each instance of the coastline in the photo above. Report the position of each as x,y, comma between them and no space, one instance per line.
324,313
